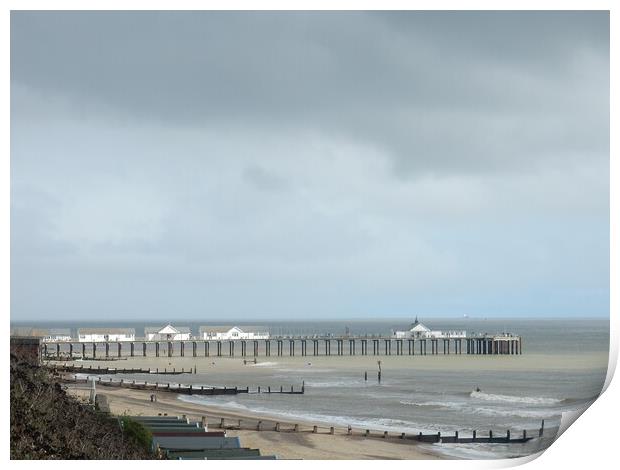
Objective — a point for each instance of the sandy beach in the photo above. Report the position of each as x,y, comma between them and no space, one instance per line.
286,444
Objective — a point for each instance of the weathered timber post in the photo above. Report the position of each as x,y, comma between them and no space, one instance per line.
119,349
314,429
203,421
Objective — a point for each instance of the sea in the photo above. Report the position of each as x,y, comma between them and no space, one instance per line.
562,369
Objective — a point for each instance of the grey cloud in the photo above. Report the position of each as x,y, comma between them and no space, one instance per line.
303,162
456,91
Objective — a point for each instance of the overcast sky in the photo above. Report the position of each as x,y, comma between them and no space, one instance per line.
309,165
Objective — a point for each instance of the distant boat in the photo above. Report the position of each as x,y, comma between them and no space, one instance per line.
465,315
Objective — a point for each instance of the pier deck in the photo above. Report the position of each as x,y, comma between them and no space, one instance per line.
291,346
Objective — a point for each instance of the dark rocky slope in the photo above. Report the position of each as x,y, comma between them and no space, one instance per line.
46,423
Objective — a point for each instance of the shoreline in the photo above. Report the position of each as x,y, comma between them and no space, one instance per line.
285,443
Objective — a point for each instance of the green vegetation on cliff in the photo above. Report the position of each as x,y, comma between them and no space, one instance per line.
46,423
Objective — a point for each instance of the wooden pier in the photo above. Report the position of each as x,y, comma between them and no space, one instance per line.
485,345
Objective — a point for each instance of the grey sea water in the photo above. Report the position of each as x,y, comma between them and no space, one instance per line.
563,366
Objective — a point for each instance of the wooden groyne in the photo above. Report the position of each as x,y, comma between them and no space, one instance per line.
113,370
493,345
184,389
490,436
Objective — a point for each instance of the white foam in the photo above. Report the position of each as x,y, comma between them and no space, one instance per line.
333,383
514,399
517,413
378,424
264,364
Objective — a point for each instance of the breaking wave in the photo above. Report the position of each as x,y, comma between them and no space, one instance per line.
515,399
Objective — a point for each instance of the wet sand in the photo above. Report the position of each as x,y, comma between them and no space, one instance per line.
286,444
223,365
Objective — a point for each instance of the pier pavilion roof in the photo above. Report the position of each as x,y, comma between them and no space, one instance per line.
417,326
167,329
217,328
226,328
